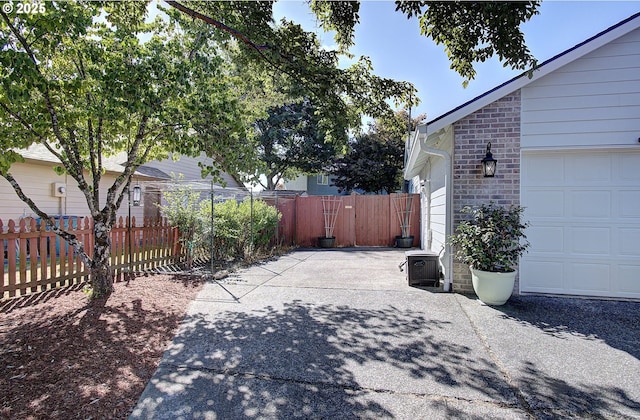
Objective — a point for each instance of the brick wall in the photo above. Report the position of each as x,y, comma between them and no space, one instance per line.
498,123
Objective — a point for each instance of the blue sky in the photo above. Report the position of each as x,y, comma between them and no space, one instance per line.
398,51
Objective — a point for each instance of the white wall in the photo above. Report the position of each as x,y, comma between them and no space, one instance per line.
592,101
297,184
435,192
35,179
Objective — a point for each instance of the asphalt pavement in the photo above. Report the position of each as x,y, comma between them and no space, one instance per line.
339,334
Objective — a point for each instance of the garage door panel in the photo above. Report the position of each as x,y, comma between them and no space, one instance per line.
595,203
629,242
546,170
542,276
629,279
585,278
626,169
585,224
589,241
548,239
588,169
629,203
541,203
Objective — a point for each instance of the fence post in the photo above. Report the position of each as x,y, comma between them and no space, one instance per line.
251,224
2,249
212,242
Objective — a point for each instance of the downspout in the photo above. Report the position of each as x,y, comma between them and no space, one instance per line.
448,208
426,234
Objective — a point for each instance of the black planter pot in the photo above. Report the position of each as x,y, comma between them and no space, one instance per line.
404,242
326,242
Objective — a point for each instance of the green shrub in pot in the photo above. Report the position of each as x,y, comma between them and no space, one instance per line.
491,241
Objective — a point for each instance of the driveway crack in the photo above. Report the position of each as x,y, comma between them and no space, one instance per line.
347,388
523,403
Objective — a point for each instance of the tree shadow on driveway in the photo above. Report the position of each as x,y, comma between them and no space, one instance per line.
321,361
572,357
615,322
553,397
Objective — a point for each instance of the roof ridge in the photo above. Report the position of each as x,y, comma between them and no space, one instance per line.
544,63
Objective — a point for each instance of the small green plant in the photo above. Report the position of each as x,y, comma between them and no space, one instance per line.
492,239
87,290
183,211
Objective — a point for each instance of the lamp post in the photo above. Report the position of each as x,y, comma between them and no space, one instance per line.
135,201
489,164
137,195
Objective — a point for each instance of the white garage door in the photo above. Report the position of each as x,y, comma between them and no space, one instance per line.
584,209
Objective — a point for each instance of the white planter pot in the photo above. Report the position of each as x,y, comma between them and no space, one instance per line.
493,288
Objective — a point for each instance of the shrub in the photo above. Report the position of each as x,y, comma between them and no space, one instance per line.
493,239
183,211
233,233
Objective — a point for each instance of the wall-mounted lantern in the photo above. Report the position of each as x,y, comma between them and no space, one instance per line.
489,164
137,195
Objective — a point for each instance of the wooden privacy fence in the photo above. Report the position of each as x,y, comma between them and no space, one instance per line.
36,259
362,220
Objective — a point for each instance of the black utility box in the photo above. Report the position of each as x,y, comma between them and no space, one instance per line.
423,268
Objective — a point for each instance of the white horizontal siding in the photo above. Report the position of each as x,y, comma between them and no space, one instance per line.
438,219
589,92
437,202
610,112
592,101
558,79
577,103
36,181
297,184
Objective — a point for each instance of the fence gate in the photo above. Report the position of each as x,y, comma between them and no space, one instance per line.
362,220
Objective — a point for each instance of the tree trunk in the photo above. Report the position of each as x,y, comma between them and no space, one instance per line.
271,186
101,272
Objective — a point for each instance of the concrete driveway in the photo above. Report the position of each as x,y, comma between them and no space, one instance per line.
339,334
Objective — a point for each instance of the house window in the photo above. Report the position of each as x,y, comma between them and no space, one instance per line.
322,180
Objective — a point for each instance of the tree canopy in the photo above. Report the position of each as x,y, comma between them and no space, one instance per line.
471,31
289,142
89,80
78,81
375,158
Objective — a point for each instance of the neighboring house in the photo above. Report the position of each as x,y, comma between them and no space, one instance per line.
567,142
188,167
318,184
40,183
161,174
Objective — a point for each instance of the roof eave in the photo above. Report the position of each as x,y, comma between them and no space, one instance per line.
614,32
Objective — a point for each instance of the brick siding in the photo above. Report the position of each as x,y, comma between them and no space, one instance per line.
498,123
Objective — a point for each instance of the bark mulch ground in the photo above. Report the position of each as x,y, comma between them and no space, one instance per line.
65,357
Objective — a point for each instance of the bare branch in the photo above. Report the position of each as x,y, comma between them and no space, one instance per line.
217,24
125,177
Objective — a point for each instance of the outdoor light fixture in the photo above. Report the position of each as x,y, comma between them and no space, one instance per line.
137,195
489,164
